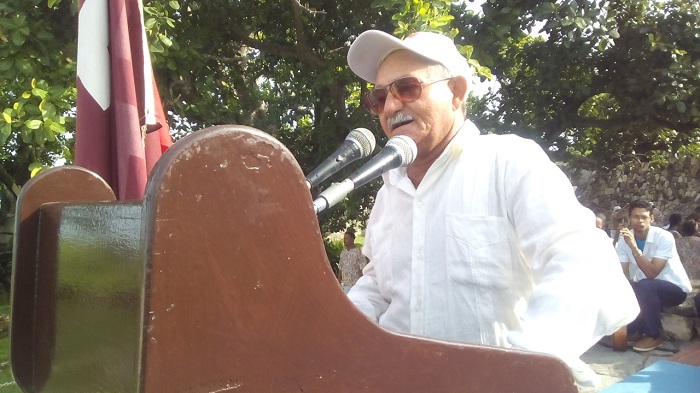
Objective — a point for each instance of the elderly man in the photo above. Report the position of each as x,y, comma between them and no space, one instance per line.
481,239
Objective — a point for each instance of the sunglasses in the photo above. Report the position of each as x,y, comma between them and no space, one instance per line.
406,89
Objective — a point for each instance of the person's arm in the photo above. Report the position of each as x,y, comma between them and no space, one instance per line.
366,294
626,269
580,293
651,267
624,255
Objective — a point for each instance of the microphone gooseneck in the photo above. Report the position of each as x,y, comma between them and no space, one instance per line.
400,151
358,144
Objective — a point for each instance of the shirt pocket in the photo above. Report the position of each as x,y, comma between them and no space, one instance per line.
478,251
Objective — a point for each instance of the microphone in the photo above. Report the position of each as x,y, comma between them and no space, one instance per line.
358,144
399,151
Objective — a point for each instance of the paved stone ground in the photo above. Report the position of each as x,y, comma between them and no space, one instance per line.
615,366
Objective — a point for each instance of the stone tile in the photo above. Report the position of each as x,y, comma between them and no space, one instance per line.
613,366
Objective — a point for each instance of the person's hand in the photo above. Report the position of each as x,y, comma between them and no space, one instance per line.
629,237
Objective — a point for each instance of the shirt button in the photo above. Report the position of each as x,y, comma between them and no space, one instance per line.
420,205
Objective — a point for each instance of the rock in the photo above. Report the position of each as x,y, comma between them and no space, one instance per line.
685,309
672,187
678,327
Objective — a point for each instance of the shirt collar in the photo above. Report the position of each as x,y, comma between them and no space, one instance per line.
466,132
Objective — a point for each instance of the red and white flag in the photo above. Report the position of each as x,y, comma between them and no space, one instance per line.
121,128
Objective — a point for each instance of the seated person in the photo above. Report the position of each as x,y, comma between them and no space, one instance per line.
674,223
649,257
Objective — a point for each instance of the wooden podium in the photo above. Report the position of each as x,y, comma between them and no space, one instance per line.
217,281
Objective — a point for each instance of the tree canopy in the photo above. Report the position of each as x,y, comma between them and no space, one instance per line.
613,81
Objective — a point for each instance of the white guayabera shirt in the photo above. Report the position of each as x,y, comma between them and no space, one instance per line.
492,248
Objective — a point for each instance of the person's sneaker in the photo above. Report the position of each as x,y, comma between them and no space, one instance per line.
647,344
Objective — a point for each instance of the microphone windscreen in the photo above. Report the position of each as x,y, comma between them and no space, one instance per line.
406,148
364,138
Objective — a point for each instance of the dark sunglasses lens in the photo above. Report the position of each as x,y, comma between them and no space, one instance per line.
407,89
374,100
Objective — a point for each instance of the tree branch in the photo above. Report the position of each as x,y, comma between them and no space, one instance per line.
300,50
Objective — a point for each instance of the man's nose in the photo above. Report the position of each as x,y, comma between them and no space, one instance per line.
392,104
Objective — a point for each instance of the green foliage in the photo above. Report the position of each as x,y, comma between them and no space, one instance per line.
7,384
611,82
429,15
333,250
37,85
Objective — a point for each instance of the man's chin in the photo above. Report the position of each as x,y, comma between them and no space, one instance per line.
405,129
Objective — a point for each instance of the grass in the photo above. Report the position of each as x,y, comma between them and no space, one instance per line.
7,383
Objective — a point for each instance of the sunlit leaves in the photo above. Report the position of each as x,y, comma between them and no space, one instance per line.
611,80
37,83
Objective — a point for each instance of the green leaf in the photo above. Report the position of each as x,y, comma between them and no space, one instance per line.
47,133
5,64
7,118
156,47
35,168
680,105
174,5
33,124
57,127
5,132
44,35
149,23
18,38
39,93
23,65
26,136
165,40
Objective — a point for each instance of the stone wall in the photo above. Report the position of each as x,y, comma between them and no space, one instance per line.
672,188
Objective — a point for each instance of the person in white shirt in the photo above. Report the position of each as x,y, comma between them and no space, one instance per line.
481,239
649,257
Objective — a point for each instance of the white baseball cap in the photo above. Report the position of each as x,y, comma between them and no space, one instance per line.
370,49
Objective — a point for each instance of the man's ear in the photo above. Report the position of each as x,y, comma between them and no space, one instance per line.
459,87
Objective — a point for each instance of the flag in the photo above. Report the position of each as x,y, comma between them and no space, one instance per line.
121,128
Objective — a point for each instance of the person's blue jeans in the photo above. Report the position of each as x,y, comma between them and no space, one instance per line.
652,294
